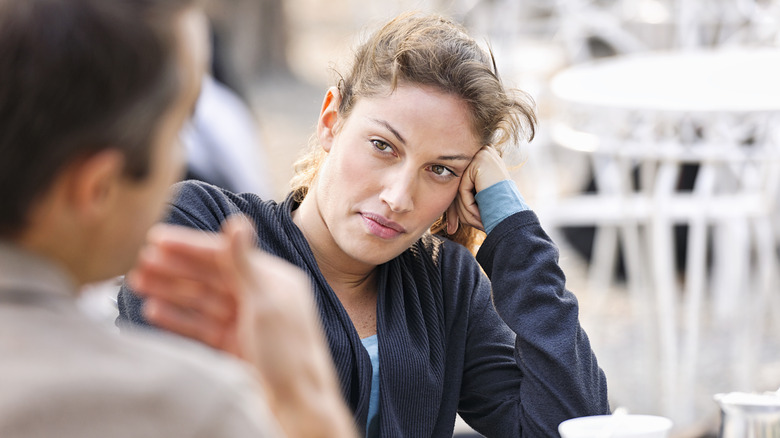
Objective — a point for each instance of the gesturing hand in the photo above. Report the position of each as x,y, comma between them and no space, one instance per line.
188,278
220,289
486,168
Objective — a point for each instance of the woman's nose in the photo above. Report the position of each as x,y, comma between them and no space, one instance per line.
398,191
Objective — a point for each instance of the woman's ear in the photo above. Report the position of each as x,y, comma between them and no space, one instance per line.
326,125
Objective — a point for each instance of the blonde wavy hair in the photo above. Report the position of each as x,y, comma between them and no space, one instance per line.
431,50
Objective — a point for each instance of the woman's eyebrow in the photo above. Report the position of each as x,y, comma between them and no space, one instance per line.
391,129
455,157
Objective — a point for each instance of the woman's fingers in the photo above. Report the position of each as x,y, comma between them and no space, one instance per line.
452,217
465,208
486,168
468,210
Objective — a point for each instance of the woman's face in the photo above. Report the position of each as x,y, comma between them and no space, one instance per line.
393,167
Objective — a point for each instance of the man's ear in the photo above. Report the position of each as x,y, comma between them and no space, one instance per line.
327,123
94,184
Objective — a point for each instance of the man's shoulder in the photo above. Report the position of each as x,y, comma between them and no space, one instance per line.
189,380
186,371
166,356
146,382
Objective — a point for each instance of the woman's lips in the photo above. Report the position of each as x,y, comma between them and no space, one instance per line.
382,227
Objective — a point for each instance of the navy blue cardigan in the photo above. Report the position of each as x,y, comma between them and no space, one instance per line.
513,364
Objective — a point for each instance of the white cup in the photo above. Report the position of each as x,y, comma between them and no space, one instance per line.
616,426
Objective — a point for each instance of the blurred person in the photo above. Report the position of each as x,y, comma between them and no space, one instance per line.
223,142
405,176
92,96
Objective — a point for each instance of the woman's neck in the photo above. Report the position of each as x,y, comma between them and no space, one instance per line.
343,273
354,283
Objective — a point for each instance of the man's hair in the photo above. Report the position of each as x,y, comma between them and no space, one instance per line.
78,77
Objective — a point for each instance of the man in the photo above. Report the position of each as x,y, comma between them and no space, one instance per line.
92,96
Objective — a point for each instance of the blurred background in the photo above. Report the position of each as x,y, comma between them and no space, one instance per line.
655,166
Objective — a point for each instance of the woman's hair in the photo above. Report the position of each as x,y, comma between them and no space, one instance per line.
430,50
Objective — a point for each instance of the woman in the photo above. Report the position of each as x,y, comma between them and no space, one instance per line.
408,147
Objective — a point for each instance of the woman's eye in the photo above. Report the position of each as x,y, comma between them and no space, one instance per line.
380,145
440,170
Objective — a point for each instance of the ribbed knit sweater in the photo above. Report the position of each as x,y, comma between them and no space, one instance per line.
514,363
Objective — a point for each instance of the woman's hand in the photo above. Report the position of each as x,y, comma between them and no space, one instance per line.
487,168
220,289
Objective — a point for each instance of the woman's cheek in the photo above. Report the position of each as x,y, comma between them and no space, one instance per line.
441,199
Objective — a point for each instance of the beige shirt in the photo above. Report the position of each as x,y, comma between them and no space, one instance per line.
64,375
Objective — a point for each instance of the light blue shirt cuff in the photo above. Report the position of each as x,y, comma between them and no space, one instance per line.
498,202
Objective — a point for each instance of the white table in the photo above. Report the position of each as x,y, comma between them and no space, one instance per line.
655,112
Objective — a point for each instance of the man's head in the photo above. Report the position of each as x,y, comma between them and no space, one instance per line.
92,96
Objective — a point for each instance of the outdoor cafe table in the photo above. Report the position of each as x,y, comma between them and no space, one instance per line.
641,118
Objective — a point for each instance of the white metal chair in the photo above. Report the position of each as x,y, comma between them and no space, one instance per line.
734,139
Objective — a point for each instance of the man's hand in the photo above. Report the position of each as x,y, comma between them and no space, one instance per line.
220,289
